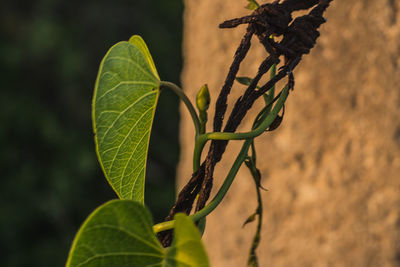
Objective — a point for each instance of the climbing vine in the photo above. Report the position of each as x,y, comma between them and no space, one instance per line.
121,232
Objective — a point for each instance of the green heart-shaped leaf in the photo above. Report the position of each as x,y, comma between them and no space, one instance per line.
119,234
124,102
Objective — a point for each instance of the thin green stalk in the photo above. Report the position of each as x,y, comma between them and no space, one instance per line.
268,99
179,92
203,121
226,185
200,142
257,131
271,92
164,226
251,164
253,260
263,121
218,197
272,73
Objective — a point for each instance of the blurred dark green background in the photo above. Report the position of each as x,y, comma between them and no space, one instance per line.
50,178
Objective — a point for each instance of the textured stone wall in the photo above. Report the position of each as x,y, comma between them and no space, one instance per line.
333,167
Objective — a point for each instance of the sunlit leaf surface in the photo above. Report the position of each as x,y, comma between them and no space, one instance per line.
124,103
119,234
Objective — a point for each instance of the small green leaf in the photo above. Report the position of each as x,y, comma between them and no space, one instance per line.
187,248
119,234
124,102
250,219
252,5
244,80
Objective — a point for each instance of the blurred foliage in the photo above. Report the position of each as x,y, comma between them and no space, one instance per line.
50,53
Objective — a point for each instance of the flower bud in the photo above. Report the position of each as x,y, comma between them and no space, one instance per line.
203,98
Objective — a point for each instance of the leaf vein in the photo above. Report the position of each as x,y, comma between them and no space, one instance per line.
133,152
123,83
149,74
123,112
126,137
127,232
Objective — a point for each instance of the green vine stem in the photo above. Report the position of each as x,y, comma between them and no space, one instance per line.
251,164
268,98
218,197
201,140
203,120
263,121
179,92
257,131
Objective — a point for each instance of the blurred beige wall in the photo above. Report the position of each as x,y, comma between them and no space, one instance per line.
333,167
